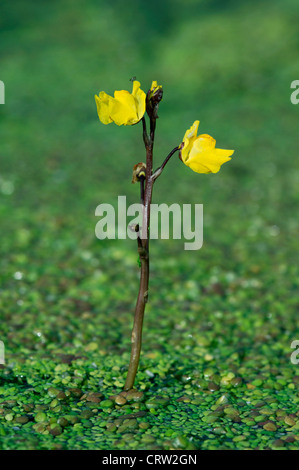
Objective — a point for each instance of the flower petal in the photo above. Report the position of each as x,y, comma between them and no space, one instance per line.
204,142
140,99
189,138
103,102
124,108
192,132
205,158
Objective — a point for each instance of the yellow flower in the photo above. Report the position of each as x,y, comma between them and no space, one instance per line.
124,109
199,152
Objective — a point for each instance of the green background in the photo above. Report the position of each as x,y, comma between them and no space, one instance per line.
220,321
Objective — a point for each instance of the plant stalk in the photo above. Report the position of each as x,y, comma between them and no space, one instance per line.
136,338
143,250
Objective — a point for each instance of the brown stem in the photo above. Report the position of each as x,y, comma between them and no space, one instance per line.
136,338
145,136
143,250
161,168
147,195
141,179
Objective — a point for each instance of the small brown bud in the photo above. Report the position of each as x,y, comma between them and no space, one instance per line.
138,172
153,98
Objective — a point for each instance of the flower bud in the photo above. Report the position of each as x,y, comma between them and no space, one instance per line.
138,172
153,98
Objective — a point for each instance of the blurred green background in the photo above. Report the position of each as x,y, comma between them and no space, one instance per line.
227,63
